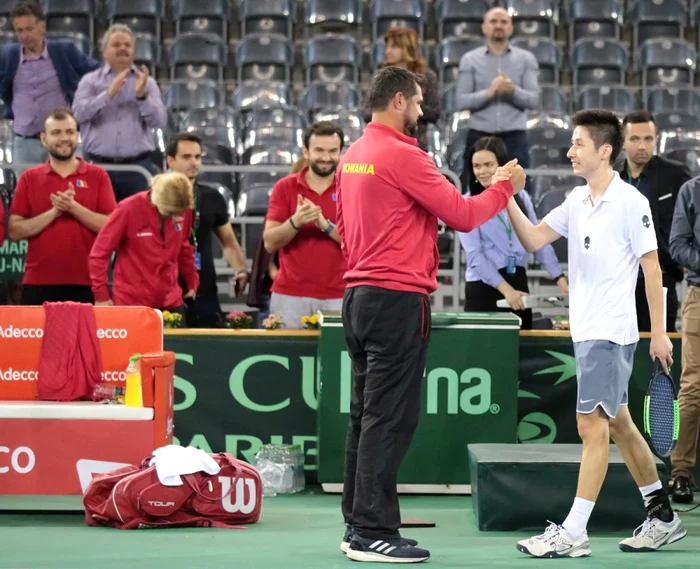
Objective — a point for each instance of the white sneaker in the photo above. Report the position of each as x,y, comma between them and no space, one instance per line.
555,542
654,533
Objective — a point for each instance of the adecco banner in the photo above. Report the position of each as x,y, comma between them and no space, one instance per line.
121,331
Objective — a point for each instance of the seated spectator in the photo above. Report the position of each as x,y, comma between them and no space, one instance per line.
150,233
402,50
117,106
496,260
36,76
58,208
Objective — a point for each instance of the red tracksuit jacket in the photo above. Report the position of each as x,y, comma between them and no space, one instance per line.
147,266
390,196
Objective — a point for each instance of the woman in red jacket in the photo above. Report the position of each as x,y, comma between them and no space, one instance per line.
150,232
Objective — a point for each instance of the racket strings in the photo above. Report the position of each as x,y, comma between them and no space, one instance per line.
661,414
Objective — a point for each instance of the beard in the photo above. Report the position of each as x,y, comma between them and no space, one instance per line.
60,155
322,173
410,127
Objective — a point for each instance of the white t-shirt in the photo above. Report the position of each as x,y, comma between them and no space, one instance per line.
605,244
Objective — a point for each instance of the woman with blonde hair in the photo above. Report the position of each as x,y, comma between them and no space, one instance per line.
402,50
150,233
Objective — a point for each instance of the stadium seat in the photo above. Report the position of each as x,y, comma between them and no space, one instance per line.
226,124
195,16
460,17
332,58
548,137
676,130
249,180
320,96
667,63
142,16
653,19
594,19
198,56
183,95
6,7
449,53
266,126
680,99
688,156
74,16
251,95
387,14
599,61
549,156
537,18
549,57
334,16
272,154
147,51
82,42
264,57
351,123
267,16
553,99
614,98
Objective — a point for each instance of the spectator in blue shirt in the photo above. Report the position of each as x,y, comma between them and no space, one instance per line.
496,260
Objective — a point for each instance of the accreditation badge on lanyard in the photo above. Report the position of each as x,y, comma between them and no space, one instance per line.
195,228
510,262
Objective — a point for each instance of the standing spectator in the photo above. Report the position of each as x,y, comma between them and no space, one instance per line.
117,106
36,76
301,226
59,207
498,84
496,260
685,249
659,180
402,50
184,155
150,232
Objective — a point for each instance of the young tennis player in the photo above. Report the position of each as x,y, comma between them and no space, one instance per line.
610,230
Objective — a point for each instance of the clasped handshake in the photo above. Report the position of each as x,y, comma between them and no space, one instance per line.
511,171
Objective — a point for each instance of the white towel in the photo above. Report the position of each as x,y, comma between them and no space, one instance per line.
172,460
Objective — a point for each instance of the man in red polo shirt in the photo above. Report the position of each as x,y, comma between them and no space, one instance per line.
301,226
58,208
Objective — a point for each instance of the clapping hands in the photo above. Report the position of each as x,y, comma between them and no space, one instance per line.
64,201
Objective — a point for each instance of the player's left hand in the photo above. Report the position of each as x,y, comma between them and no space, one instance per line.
661,348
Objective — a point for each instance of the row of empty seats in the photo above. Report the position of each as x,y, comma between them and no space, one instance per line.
585,18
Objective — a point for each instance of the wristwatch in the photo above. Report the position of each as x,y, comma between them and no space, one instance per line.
331,226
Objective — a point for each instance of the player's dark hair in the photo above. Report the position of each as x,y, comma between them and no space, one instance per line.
174,142
638,117
603,127
323,128
59,114
28,9
389,81
498,147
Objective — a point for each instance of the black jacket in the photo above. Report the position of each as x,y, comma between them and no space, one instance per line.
665,177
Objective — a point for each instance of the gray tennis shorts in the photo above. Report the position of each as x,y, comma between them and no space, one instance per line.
603,371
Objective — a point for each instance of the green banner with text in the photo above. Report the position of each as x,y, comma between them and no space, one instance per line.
237,393
12,259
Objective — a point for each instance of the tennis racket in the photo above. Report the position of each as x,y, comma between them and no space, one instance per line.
661,413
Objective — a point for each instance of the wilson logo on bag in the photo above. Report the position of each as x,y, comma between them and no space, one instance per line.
133,498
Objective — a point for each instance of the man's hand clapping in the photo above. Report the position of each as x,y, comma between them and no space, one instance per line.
118,83
306,212
64,201
501,84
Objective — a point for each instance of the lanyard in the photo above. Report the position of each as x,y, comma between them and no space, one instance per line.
509,230
629,179
195,217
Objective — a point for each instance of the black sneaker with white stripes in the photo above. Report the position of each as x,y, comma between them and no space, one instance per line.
347,538
385,551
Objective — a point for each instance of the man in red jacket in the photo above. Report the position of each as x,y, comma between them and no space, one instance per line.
150,232
390,196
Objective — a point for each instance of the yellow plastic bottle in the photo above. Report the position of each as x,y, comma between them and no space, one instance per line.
134,394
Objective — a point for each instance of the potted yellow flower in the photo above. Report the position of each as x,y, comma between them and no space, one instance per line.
310,322
172,319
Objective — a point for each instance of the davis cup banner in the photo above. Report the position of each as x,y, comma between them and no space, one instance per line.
121,331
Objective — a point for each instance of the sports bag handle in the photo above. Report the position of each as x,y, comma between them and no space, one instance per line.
198,489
